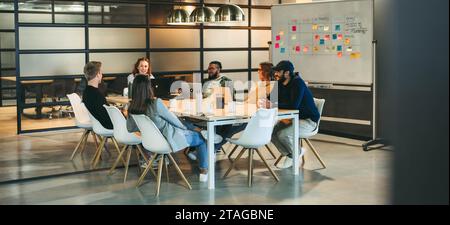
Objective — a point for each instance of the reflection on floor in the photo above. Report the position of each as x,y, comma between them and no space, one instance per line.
8,120
352,177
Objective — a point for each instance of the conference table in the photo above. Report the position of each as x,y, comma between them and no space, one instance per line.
231,114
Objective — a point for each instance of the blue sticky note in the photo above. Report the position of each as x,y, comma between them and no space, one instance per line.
322,41
282,50
338,27
339,48
334,36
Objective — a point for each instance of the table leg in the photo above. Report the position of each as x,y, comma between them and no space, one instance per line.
211,155
296,152
39,95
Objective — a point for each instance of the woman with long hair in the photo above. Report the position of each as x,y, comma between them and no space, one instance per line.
177,134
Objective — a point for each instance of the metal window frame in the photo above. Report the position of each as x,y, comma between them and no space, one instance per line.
148,27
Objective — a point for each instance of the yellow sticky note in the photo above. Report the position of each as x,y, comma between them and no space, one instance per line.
314,26
326,28
294,37
355,55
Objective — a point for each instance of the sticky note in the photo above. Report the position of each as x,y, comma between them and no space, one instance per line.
327,37
317,37
339,54
337,28
339,36
305,48
277,45
315,49
281,33
355,55
282,50
294,28
334,36
294,37
297,48
339,48
322,41
277,38
349,49
333,47
326,28
314,27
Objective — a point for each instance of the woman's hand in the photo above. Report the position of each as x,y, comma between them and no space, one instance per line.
197,129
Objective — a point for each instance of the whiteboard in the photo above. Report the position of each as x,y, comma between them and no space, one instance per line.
328,42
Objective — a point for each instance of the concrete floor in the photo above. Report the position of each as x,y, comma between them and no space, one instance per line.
352,176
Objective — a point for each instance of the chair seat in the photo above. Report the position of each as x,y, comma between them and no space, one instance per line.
243,144
130,140
87,126
105,133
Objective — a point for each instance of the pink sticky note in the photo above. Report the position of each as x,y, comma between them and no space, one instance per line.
339,36
277,45
294,28
297,48
305,48
327,37
339,54
317,37
277,37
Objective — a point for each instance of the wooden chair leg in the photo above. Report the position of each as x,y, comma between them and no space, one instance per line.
232,152
271,152
308,142
117,148
148,161
95,138
158,178
127,164
179,171
234,162
118,158
99,152
149,166
267,165
83,136
278,160
223,150
250,166
84,144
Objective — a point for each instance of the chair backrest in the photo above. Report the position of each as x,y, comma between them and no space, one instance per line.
258,131
97,127
79,109
120,126
319,104
152,139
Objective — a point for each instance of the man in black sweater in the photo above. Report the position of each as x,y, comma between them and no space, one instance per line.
92,97
293,94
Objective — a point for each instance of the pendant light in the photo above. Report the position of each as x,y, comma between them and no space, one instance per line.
178,16
202,15
230,13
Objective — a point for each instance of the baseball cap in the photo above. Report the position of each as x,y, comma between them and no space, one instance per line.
284,65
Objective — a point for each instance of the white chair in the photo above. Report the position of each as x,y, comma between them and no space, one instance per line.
82,120
306,135
105,134
154,141
261,123
121,134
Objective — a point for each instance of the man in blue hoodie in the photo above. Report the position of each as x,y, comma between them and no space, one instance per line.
292,94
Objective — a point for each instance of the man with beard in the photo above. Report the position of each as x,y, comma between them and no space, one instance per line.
292,94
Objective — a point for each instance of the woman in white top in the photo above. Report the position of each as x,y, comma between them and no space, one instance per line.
142,66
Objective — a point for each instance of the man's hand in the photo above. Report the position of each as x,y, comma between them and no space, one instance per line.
286,122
